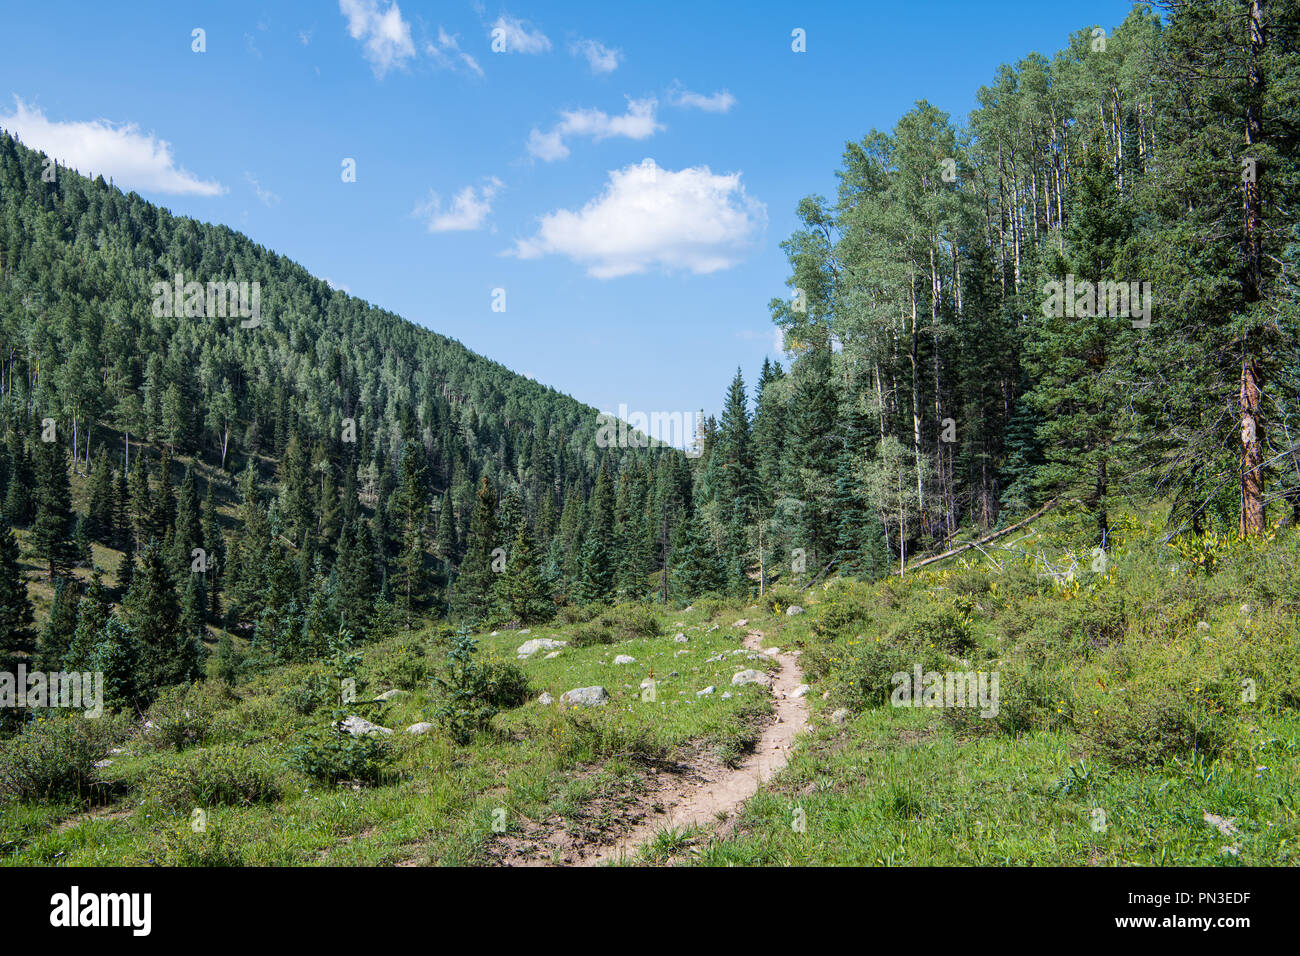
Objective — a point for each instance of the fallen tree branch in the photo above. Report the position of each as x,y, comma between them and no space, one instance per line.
987,538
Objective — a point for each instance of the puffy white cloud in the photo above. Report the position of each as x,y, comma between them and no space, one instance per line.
385,36
691,220
637,123
468,210
518,35
124,154
719,102
600,58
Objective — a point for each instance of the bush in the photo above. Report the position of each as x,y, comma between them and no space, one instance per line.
846,608
579,613
629,621
589,635
947,625
310,694
861,675
217,776
1146,723
182,716
405,666
54,758
334,755
505,684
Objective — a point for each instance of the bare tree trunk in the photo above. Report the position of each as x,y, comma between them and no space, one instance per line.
1252,381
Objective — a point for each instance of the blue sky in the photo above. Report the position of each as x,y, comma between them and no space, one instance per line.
625,172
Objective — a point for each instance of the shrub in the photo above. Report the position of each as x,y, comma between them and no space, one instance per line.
578,614
589,635
54,758
629,621
182,716
472,692
216,776
404,665
310,694
1145,723
861,675
334,755
505,684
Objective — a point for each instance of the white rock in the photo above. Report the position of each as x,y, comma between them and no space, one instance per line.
772,651
681,652
681,638
726,695
741,623
551,655
359,725
546,700
706,692
792,610
526,631
840,716
390,694
1202,626
101,764
801,691
750,677
625,659
423,727
529,648
585,696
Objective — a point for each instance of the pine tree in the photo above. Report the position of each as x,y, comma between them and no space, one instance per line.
152,611
697,569
93,613
19,509
523,592
17,636
53,527
410,506
475,582
101,510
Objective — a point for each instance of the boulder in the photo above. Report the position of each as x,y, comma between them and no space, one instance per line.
390,694
625,659
546,699
359,725
792,610
800,691
423,727
585,697
750,677
681,638
529,648
706,692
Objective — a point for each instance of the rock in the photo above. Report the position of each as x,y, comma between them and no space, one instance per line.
1226,826
526,631
625,659
840,716
681,652
551,655
690,608
585,696
713,628
681,638
792,610
495,633
726,695
741,623
101,764
772,651
800,691
750,677
529,648
390,694
423,727
546,700
357,726
1202,626
706,692
715,658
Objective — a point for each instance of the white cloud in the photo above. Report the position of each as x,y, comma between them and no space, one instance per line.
124,154
385,35
719,102
519,37
448,54
468,210
600,58
637,123
690,220
267,197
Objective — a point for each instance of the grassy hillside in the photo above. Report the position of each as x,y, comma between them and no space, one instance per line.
1120,691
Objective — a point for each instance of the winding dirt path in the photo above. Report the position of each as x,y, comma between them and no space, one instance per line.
705,793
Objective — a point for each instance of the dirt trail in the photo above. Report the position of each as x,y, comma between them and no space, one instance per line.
700,795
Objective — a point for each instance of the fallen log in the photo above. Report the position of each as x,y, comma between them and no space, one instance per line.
984,540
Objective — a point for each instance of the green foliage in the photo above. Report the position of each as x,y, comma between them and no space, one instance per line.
212,777
334,756
53,758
